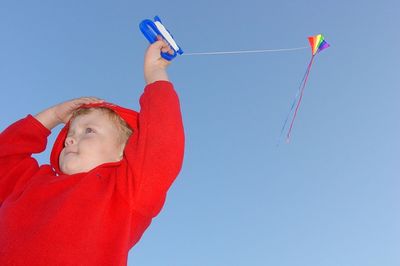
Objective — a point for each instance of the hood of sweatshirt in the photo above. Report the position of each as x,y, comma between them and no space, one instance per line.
129,116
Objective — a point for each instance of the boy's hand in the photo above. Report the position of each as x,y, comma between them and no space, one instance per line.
61,113
154,65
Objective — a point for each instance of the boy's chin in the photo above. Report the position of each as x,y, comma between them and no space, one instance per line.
68,171
71,170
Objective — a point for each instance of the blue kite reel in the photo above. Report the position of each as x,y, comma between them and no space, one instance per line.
151,29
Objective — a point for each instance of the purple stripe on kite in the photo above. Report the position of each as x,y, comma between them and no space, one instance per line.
323,46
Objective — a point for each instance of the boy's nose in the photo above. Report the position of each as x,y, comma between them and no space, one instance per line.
69,141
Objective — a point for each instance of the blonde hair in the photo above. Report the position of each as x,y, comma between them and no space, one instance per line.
124,129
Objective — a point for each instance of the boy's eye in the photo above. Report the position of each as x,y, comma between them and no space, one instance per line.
89,130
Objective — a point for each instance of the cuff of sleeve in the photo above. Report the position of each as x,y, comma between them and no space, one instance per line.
39,126
160,84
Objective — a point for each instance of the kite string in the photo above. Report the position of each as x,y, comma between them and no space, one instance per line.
301,96
302,83
247,51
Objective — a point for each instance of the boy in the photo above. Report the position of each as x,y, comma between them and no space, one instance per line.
110,171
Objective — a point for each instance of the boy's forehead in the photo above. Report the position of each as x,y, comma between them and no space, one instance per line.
96,117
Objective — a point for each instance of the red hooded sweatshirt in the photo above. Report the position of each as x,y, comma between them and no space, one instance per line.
92,218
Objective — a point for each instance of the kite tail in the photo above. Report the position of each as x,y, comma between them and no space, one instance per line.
295,98
300,98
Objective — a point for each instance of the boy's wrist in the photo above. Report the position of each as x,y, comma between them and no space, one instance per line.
156,75
48,118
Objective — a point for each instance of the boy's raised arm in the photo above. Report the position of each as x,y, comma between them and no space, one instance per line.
157,153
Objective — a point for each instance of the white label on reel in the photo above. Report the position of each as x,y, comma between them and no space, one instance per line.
166,35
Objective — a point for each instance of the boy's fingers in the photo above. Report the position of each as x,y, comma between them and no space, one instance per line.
161,43
86,100
158,45
95,99
166,50
91,99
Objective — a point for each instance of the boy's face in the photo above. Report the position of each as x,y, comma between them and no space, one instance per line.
93,139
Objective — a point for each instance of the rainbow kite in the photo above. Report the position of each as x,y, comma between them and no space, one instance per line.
317,44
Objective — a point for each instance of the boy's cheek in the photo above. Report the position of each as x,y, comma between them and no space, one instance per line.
61,157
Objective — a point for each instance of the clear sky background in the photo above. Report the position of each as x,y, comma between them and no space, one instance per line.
330,197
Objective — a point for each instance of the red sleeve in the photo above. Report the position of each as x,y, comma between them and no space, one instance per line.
155,153
17,143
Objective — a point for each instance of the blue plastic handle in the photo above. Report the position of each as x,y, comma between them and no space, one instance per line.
150,31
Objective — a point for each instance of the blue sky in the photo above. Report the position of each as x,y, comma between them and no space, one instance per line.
330,197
